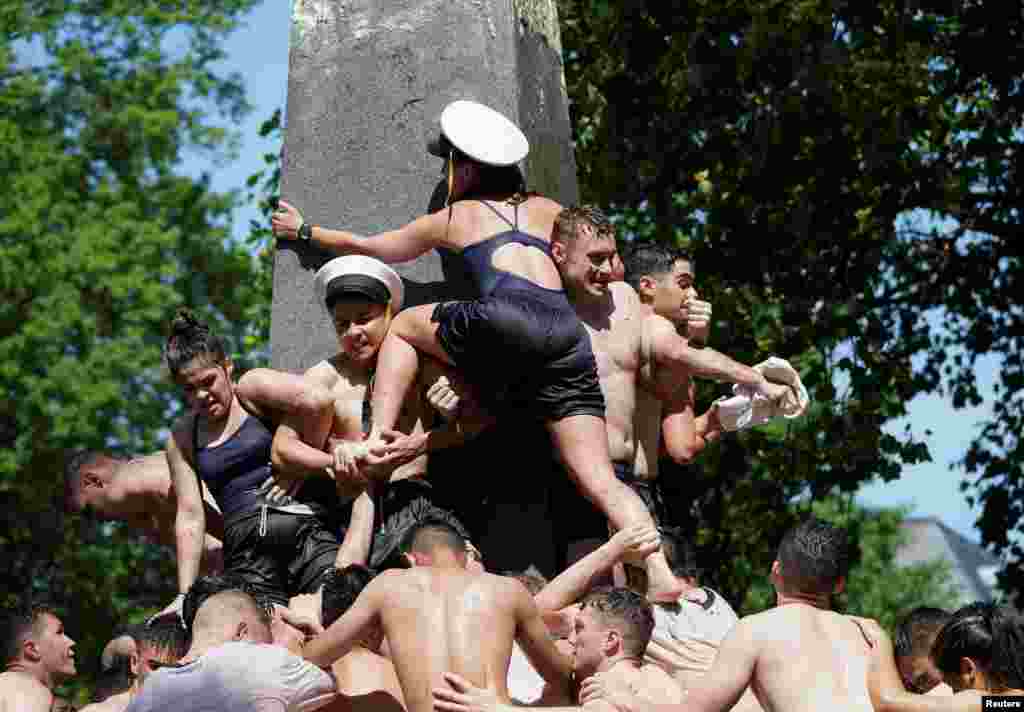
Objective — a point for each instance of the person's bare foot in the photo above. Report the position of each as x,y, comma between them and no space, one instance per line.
662,585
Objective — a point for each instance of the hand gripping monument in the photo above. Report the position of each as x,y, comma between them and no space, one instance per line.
368,80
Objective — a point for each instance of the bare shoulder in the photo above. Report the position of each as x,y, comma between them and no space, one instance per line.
543,203
656,325
659,686
180,439
20,693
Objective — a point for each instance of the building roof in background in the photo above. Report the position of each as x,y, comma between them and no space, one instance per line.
973,568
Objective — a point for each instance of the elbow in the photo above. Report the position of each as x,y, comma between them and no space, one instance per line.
190,526
683,453
280,455
278,461
316,400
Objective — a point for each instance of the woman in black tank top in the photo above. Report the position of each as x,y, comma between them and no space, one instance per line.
279,550
521,342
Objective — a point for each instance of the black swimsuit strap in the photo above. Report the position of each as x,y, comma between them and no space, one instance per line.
513,225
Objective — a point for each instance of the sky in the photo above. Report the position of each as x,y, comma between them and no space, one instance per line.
259,51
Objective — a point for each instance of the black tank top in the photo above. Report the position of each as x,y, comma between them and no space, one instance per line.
490,280
235,469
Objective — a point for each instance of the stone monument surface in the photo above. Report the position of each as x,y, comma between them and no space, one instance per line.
367,82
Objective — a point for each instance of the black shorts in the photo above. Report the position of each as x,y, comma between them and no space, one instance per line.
402,506
525,351
287,558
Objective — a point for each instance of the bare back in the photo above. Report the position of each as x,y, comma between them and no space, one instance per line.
367,683
809,660
449,620
473,222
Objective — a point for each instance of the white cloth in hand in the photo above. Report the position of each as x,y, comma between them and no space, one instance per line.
746,408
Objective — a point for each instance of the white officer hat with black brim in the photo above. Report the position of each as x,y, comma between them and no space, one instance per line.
358,274
481,133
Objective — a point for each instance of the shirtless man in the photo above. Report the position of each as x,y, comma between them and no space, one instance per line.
158,644
664,279
583,248
366,679
797,657
440,617
361,295
915,636
37,654
611,632
137,491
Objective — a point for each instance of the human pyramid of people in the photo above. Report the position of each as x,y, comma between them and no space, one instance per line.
326,535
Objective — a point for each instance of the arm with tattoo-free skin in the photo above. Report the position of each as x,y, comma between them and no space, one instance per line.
671,351
886,687
536,644
190,516
683,435
567,588
401,245
355,548
354,625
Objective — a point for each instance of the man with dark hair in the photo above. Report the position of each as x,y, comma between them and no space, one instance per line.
231,665
138,491
799,656
366,679
202,589
915,635
438,616
162,642
37,655
663,278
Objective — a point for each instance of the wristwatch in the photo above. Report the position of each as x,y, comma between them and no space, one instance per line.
306,232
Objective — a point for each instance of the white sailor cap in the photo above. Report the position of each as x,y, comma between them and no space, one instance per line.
358,274
481,133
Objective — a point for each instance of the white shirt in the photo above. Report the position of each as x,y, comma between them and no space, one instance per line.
525,685
238,677
687,635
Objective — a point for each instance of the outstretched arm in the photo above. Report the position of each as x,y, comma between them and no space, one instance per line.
671,351
401,245
572,583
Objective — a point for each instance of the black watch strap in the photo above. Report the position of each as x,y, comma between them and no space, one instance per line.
306,232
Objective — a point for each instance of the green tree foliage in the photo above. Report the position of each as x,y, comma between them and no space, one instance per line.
847,177
876,586
102,235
